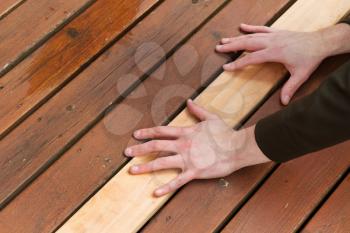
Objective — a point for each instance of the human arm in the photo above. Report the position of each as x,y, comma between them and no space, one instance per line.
312,123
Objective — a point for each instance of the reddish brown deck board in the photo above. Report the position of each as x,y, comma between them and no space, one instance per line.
334,215
212,201
287,198
43,73
7,5
98,154
293,191
66,116
34,20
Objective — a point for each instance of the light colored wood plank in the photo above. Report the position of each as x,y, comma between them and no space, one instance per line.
126,202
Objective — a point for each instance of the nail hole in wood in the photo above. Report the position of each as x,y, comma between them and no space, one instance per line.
72,32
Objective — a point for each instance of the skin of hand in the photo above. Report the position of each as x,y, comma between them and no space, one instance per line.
300,52
209,149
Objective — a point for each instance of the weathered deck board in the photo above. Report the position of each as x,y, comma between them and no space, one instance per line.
26,151
291,193
41,74
87,165
214,200
139,205
8,5
334,215
34,21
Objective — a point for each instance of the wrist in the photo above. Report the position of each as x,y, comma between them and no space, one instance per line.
334,40
250,154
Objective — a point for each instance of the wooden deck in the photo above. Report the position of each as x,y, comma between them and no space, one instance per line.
78,76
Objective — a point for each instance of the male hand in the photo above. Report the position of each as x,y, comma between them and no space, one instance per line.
209,149
299,52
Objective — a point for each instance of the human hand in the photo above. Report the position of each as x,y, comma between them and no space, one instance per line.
299,52
209,149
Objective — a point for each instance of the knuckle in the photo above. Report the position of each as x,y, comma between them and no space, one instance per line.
158,129
249,36
160,162
154,145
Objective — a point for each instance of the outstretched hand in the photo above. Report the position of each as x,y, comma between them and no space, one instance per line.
209,149
299,52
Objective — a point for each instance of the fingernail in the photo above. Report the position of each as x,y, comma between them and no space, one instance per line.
159,192
137,134
128,152
285,99
134,169
190,101
225,40
218,46
228,66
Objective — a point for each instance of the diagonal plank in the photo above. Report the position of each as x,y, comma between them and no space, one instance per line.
33,22
26,151
126,202
51,66
292,192
334,215
86,166
7,6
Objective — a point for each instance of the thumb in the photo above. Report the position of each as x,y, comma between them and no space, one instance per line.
290,87
199,112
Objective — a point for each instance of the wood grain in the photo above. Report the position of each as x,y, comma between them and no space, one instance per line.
86,166
292,192
215,200
7,5
33,21
26,151
232,95
334,215
50,67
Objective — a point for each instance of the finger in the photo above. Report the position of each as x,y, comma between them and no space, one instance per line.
256,29
173,185
199,112
151,146
249,59
247,42
161,132
290,87
169,162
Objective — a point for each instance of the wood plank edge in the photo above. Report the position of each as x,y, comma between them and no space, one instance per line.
11,9
9,66
332,189
83,66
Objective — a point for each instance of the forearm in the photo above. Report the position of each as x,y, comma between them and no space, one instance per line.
310,124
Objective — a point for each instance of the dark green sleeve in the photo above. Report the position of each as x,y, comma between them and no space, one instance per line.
347,20
317,121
